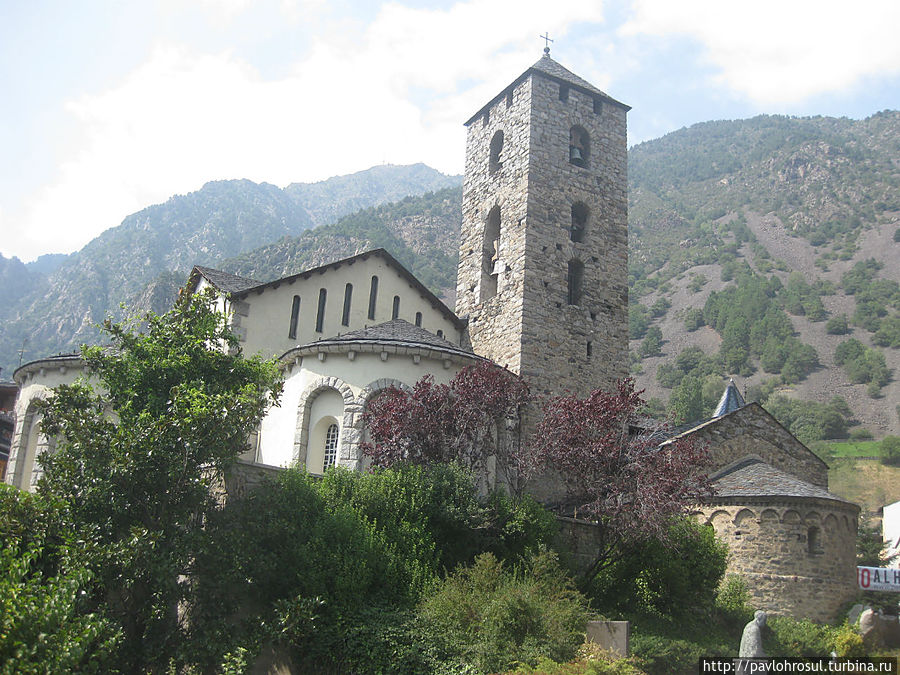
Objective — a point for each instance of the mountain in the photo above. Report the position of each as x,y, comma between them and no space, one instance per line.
763,249
145,259
757,248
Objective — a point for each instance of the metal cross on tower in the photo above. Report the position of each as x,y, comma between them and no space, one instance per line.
547,40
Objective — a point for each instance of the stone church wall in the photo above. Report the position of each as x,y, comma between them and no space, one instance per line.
798,556
752,431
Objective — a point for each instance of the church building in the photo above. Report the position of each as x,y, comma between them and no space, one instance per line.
541,289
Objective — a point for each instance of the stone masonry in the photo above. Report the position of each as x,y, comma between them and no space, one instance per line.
543,252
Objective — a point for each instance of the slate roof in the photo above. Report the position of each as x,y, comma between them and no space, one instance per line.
752,477
550,68
225,281
731,400
398,332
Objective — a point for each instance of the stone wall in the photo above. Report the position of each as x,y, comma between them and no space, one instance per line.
528,323
752,431
797,555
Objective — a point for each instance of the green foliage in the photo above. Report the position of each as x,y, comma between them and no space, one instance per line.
810,420
490,618
862,364
890,450
686,401
796,637
888,333
698,281
733,600
638,321
837,325
691,361
135,464
45,624
693,319
860,434
652,342
344,559
671,579
659,308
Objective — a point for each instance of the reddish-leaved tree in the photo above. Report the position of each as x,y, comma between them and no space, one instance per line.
473,418
618,472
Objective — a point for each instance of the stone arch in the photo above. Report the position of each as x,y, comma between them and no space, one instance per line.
791,517
813,518
490,254
769,518
27,443
309,395
358,421
494,163
718,519
830,524
744,518
579,146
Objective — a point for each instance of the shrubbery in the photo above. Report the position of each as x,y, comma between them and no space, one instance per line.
490,618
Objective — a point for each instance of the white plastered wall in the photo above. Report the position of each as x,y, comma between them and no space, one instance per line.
268,314
353,377
35,382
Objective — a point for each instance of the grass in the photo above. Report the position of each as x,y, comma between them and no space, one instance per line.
849,448
867,483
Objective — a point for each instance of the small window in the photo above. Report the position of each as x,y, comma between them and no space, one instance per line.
579,147
486,119
598,106
373,296
320,314
331,445
814,541
419,319
496,147
590,348
509,98
563,92
295,317
348,294
576,281
395,310
440,333
490,255
579,222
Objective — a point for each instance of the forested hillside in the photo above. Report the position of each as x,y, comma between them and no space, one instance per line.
766,250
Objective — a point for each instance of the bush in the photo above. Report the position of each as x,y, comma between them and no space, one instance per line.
491,618
669,580
838,325
693,319
860,434
793,637
890,450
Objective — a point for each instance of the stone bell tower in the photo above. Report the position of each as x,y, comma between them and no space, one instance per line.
543,257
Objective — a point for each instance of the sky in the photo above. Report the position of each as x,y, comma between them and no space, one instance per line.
109,106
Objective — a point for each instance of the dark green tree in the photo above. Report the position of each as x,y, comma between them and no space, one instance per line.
140,450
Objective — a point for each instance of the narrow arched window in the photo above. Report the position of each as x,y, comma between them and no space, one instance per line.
419,319
496,147
563,92
373,296
295,317
331,445
440,333
395,310
576,281
579,222
348,294
490,255
579,147
814,541
320,314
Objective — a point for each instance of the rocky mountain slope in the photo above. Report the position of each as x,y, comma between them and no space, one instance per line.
54,304
758,249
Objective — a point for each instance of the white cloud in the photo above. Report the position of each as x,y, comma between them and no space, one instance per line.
396,93
782,51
